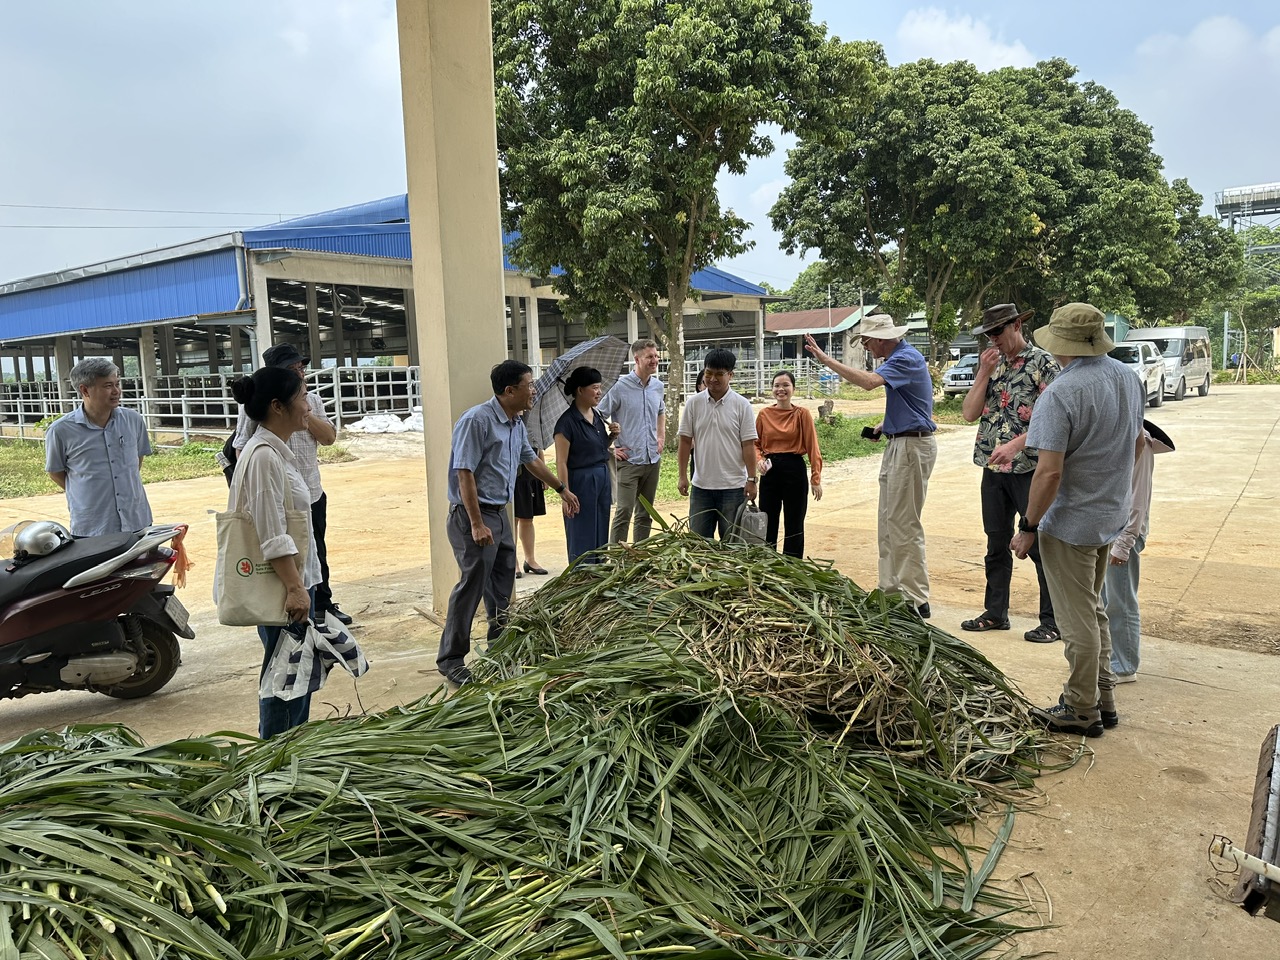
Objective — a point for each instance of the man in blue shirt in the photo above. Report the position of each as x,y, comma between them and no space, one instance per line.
636,404
489,445
908,458
95,454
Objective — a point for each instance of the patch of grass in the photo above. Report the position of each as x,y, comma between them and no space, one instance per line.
337,453
947,410
1257,375
22,467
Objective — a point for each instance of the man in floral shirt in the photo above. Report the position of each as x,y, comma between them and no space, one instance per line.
1012,374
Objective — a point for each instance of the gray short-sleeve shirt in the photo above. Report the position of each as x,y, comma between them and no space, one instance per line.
718,428
1092,414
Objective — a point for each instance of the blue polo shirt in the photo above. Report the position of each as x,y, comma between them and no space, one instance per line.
908,389
104,487
492,446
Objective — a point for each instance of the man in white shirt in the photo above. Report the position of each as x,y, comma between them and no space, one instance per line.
723,425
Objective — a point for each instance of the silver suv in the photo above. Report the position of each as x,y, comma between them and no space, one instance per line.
959,378
1144,359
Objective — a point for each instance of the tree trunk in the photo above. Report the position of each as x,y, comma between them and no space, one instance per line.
675,368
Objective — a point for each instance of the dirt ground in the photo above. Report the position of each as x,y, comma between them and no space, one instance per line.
1116,856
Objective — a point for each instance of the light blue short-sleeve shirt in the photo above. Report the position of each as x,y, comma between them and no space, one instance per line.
1092,414
104,486
492,446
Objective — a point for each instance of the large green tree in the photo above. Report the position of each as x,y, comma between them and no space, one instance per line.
1016,183
615,119
1207,264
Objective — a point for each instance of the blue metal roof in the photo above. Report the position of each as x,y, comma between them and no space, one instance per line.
204,277
166,290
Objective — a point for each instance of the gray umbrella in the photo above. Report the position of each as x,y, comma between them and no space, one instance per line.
608,354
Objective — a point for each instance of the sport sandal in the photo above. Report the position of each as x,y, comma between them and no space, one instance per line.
983,623
1045,633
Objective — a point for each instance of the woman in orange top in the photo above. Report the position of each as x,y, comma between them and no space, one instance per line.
785,436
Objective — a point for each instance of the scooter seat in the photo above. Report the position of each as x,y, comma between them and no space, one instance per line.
51,572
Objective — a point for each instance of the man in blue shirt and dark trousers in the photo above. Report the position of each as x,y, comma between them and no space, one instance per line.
489,445
909,457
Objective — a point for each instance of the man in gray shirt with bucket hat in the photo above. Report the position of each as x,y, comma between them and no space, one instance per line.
1088,430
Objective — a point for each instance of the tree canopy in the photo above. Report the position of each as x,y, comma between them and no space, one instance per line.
1021,183
615,119
817,287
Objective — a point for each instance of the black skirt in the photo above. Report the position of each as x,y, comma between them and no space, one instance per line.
530,501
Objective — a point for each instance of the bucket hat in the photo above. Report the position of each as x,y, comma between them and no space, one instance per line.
998,316
1075,330
880,326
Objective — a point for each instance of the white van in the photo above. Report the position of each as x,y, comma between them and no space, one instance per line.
1188,361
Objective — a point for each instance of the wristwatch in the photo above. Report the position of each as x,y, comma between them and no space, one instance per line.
560,489
1027,527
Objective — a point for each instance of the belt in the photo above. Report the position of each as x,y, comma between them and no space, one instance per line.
489,507
910,433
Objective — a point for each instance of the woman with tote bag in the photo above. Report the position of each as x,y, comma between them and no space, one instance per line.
266,486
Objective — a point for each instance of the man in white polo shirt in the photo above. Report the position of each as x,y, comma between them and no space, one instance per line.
722,425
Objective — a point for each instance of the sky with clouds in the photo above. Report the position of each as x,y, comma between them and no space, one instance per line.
245,111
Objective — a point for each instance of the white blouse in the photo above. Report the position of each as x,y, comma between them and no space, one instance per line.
262,479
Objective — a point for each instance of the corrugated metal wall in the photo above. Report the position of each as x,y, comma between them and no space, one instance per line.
205,283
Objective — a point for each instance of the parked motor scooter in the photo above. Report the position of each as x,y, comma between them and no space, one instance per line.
89,613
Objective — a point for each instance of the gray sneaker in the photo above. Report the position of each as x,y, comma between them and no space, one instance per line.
1062,718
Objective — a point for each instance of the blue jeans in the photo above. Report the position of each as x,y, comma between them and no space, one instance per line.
1120,597
712,510
276,715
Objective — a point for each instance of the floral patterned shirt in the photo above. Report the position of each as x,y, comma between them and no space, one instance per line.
1012,391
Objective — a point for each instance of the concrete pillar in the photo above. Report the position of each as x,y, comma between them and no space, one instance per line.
27,353
48,363
511,318
313,327
411,328
147,360
211,339
633,324
451,152
339,334
262,335
168,351
237,351
62,357
534,333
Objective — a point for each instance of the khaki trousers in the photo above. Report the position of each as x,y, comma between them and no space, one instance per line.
1075,575
904,480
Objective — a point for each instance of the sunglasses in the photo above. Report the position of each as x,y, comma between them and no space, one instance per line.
996,331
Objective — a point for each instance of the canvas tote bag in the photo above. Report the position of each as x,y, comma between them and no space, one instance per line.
247,590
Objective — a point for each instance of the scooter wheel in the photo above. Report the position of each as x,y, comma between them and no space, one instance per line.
161,659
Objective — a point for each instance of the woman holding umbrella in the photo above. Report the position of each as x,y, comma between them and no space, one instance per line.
582,464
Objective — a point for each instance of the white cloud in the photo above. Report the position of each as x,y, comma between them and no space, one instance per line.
932,33
1201,92
763,196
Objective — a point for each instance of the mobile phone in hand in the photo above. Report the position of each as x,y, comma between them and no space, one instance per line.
870,433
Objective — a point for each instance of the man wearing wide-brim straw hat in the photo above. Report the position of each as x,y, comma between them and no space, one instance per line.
1011,376
909,457
1088,431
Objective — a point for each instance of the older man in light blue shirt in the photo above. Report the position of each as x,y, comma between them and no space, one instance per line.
95,454
489,445
636,404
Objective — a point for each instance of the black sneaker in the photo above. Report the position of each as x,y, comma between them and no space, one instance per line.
459,676
342,618
1062,718
1110,718
923,611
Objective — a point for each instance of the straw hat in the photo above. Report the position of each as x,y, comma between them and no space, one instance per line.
880,326
1075,330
